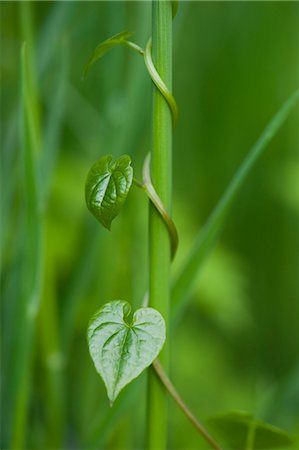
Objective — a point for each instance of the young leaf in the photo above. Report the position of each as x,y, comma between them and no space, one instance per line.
107,186
121,350
241,430
104,47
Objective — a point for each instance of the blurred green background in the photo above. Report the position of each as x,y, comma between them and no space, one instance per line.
236,346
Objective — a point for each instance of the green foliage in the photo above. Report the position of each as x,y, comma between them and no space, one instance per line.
221,113
242,431
30,295
104,47
209,234
107,186
121,350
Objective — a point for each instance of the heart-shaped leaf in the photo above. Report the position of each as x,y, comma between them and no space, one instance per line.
239,428
107,186
121,350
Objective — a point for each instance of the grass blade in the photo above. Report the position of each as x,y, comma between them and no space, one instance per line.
56,111
208,236
33,111
48,327
51,357
19,382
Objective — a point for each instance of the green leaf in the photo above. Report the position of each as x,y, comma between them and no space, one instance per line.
242,431
107,186
122,350
104,47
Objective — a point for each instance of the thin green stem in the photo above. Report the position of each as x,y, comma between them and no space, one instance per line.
134,47
159,250
156,201
182,405
138,183
251,436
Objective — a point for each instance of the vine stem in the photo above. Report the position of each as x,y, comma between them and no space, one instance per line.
157,80
151,192
162,247
149,189
155,199
182,405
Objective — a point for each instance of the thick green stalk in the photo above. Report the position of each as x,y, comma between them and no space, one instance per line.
159,249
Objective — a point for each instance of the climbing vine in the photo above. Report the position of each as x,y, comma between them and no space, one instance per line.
122,349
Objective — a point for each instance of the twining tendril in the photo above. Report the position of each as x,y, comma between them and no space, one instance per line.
121,39
157,202
157,80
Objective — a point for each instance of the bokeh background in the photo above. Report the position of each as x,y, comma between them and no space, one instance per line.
235,346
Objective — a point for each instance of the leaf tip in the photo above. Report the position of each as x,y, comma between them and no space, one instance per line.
105,222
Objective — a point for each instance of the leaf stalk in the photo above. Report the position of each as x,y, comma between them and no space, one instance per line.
182,405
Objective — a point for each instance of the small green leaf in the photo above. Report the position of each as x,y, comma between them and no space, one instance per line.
104,47
242,431
122,350
107,186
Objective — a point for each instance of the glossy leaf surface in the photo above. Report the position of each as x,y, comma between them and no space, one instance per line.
107,186
241,430
121,350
